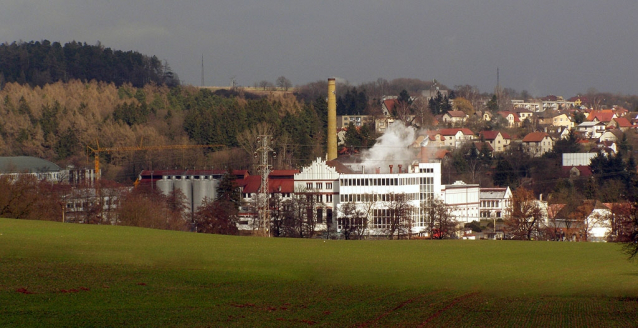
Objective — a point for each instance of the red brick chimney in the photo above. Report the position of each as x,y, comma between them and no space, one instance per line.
390,168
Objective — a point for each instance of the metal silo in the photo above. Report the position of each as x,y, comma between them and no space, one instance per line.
183,184
165,185
199,192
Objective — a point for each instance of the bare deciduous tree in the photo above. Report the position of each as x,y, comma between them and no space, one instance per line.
399,217
283,83
524,215
440,220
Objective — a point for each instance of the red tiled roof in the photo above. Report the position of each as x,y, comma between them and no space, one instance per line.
389,104
456,113
507,113
451,132
479,145
585,171
535,137
604,115
489,135
251,184
622,122
282,173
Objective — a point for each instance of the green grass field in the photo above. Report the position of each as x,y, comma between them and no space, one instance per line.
54,274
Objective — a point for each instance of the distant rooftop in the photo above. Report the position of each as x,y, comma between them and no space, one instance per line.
20,164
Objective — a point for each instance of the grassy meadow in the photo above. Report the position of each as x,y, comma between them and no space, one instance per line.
54,274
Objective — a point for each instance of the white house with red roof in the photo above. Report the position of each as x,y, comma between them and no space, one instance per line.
387,105
455,137
604,115
512,118
621,123
499,141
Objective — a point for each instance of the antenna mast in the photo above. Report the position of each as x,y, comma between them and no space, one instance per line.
264,194
202,70
498,90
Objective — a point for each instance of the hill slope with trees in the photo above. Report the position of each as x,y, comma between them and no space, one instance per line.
39,63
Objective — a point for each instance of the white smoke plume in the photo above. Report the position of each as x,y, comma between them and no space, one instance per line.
392,148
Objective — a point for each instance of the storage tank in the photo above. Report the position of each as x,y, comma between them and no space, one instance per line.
201,190
183,184
212,194
165,186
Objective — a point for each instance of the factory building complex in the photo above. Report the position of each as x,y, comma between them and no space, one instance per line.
332,184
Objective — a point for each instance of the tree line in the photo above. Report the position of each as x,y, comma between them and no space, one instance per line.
38,63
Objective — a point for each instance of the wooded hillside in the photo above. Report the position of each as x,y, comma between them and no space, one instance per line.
38,63
58,121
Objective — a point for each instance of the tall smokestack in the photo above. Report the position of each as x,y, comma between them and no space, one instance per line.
332,119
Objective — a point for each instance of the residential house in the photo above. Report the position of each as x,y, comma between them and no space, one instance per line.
357,120
590,223
621,123
454,117
382,123
387,105
512,118
530,106
604,115
498,140
455,137
524,114
614,135
563,120
487,116
591,129
538,143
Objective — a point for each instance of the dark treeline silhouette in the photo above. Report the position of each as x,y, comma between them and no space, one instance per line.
41,62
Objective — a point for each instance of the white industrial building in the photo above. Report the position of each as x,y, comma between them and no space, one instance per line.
419,183
464,200
494,202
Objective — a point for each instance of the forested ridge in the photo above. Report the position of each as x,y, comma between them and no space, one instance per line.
41,62
58,121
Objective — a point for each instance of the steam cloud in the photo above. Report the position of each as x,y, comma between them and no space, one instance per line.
392,148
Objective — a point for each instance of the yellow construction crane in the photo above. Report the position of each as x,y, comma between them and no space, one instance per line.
98,150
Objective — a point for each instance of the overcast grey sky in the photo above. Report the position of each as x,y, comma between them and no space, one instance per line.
545,47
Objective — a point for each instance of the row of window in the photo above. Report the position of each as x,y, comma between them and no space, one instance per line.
490,203
488,214
377,197
388,181
320,198
318,185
